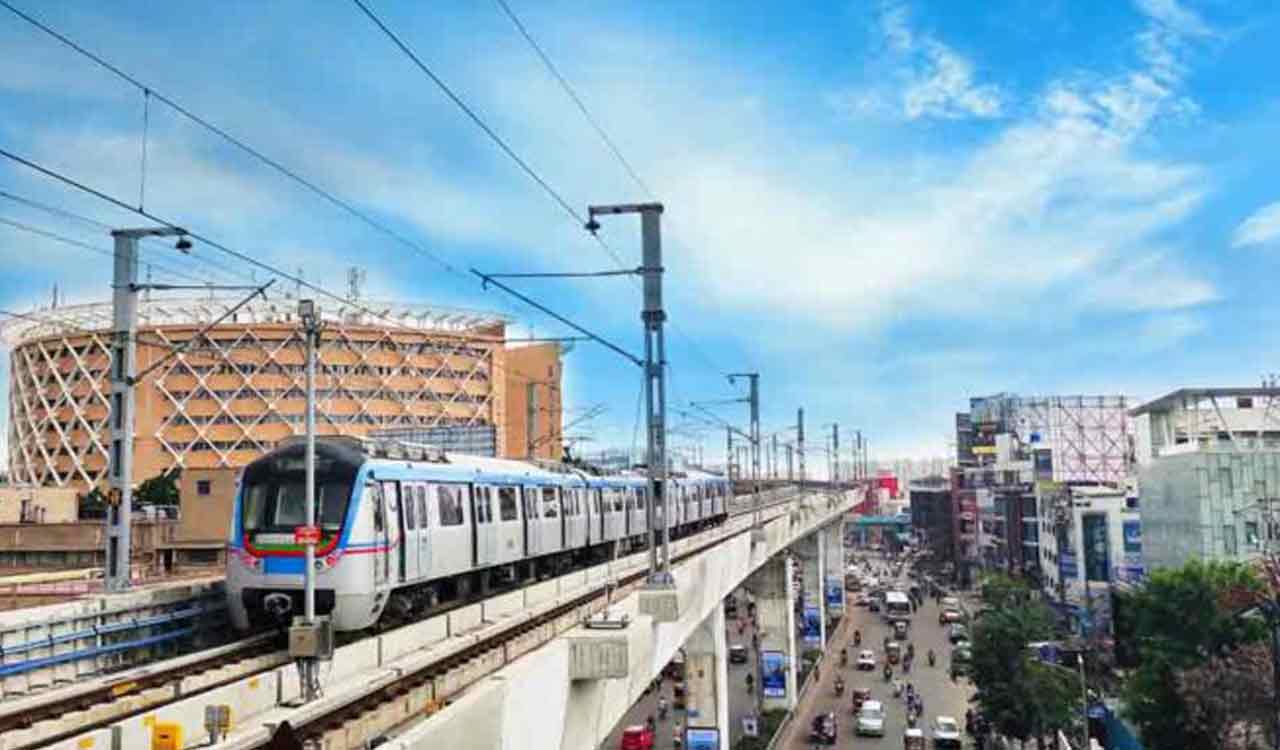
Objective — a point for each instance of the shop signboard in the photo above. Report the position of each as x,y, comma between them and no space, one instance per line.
1067,568
1097,558
701,738
835,592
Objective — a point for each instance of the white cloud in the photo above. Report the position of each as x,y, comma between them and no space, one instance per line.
943,87
1172,15
1262,227
929,78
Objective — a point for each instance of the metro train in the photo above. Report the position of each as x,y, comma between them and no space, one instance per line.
405,528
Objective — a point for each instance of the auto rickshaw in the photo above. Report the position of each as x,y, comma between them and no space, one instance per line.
893,652
860,695
913,739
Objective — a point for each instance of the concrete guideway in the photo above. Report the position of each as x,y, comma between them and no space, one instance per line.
535,702
259,702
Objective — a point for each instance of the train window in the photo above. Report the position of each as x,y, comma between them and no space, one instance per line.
484,511
449,503
421,493
409,518
640,498
507,503
628,500
374,497
617,499
550,503
530,503
575,498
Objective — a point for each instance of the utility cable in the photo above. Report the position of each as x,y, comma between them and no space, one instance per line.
86,246
333,199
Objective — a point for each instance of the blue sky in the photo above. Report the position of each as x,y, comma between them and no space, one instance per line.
883,207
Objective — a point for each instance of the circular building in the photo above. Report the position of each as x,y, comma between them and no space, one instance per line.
219,399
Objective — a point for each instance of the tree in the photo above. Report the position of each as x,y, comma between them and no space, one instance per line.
1180,620
162,489
1020,696
1230,696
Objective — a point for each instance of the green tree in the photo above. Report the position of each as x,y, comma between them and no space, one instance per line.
162,489
1179,620
1022,697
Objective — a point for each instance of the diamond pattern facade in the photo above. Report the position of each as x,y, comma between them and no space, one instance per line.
239,388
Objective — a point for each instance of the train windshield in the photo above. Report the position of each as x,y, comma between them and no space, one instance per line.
279,504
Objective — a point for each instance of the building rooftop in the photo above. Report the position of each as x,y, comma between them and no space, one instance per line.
1177,398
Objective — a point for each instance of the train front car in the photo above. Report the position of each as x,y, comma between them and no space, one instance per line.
265,565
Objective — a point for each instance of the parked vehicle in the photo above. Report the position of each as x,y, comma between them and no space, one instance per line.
957,632
737,654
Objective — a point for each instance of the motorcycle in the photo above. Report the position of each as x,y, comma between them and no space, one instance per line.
932,658
857,638
839,687
888,673
844,658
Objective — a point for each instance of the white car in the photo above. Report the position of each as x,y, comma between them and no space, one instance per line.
871,719
866,661
946,732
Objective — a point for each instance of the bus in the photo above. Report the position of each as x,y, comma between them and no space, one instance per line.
896,606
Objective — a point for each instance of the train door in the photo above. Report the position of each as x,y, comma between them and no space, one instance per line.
394,553
424,532
378,505
486,532
532,522
412,524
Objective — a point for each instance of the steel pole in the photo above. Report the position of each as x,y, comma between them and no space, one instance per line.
123,368
1084,694
800,442
309,578
1273,615
655,494
653,317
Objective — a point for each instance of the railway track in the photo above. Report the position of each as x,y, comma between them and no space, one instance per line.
65,712
393,703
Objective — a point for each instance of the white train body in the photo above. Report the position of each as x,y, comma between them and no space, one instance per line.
406,529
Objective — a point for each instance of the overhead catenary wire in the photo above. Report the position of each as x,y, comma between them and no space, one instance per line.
86,246
239,143
609,143
73,183
63,213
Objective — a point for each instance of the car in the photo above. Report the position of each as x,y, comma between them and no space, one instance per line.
871,719
948,616
963,644
946,733
950,602
737,654
866,660
637,737
957,632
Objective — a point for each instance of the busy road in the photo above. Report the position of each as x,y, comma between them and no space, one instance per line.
939,694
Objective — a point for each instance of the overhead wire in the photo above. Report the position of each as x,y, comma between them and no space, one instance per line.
61,212
609,143
298,280
86,246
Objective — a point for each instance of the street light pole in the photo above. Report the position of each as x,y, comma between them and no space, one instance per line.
753,379
310,317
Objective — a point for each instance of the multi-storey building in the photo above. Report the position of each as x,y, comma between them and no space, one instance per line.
1209,474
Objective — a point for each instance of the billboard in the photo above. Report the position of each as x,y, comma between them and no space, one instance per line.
773,674
1097,557
812,627
835,593
1067,568
701,738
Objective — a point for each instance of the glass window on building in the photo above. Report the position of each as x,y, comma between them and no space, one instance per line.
1229,539
1225,483
1251,537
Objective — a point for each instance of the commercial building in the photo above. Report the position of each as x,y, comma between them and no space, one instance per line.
215,398
238,388
931,516
1090,539
1209,474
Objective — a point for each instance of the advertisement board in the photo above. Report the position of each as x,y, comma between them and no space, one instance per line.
773,674
835,593
812,627
1132,542
701,738
1097,555
1067,568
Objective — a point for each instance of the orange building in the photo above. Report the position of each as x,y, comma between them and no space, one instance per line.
240,388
